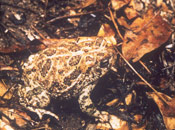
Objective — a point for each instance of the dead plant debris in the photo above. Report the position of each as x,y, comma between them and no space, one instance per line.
139,30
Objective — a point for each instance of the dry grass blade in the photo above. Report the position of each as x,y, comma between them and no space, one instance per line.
115,24
36,30
8,68
145,66
160,96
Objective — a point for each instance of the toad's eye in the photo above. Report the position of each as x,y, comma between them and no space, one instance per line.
104,63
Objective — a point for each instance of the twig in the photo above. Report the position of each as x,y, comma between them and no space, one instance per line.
38,32
115,24
71,16
160,96
7,68
145,66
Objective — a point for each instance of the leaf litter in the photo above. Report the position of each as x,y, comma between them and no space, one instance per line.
147,31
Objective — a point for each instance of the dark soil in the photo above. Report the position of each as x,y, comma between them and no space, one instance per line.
17,19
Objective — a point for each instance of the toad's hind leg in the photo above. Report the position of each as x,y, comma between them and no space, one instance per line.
35,100
40,112
87,106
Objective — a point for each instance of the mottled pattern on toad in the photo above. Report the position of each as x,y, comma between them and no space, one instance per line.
68,69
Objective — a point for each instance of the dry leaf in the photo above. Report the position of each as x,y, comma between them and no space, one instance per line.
3,90
117,4
130,98
83,4
130,13
167,110
18,48
87,3
114,123
138,118
11,49
16,115
145,35
105,31
159,3
133,7
5,126
173,21
123,22
109,35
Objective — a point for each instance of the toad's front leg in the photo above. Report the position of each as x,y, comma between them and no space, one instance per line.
87,106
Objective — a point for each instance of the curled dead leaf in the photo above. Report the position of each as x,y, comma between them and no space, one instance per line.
145,35
167,109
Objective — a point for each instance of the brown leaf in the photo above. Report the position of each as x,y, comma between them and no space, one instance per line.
13,48
117,4
138,119
114,123
18,48
105,31
167,109
132,10
83,4
87,3
130,98
146,35
16,115
3,90
130,13
108,34
123,22
5,126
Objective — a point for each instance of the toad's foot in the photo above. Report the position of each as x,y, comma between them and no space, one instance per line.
87,106
41,112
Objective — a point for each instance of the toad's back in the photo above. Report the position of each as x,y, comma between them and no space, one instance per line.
70,67
60,68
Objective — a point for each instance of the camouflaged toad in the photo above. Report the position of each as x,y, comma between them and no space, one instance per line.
68,68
